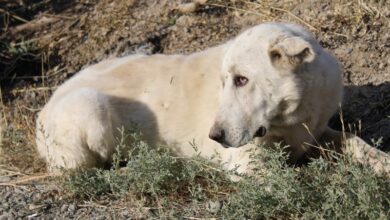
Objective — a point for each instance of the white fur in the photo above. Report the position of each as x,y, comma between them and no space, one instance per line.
177,99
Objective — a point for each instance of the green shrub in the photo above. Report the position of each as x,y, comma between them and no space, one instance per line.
148,171
321,190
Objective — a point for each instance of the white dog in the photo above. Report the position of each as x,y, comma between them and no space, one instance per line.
272,83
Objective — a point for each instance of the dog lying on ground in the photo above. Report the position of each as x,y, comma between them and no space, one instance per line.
272,83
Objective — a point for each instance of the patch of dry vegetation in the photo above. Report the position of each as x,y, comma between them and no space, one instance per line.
193,187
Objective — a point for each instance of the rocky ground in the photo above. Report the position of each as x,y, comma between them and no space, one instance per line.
44,42
43,201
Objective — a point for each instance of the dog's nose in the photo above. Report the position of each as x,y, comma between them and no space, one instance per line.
261,132
217,134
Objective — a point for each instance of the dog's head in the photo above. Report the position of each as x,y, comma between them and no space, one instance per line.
261,81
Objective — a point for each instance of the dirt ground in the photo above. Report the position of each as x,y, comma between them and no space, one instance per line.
44,42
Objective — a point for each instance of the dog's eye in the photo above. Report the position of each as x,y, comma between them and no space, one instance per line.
240,80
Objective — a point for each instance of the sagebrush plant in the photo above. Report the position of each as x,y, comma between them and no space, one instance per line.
149,171
321,190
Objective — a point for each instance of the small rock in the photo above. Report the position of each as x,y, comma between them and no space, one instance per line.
22,213
184,21
18,191
190,7
34,206
101,217
5,216
64,208
201,2
125,213
5,179
5,205
214,206
72,208
32,95
187,8
32,216
7,194
37,197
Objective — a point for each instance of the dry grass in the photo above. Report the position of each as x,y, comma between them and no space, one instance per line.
284,11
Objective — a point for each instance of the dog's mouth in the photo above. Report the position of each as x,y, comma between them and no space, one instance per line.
260,132
226,145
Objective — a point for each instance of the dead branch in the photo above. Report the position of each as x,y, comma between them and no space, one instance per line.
33,25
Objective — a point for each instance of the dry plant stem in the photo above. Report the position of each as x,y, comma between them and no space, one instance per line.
324,150
315,140
195,161
30,109
11,172
25,180
358,149
3,119
373,10
237,9
267,16
59,16
274,8
303,21
14,15
34,25
25,118
45,96
92,205
34,89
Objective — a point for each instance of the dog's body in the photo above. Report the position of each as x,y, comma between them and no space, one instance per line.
275,78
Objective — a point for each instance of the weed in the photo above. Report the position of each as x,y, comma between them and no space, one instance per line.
150,172
320,190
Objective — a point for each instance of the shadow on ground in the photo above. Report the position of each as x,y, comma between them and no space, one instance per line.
366,112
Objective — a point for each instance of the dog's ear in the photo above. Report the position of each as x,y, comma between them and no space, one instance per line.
291,52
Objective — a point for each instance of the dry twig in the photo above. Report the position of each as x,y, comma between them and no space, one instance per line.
30,178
